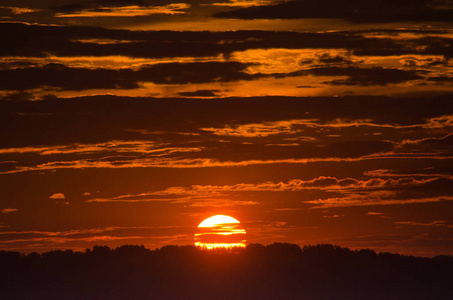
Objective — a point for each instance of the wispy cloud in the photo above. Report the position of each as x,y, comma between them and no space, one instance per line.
62,240
8,210
127,11
297,125
372,213
51,240
143,147
21,10
427,172
294,185
185,163
57,196
83,231
353,192
213,200
372,199
437,223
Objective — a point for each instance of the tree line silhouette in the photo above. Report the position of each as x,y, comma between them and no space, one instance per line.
276,271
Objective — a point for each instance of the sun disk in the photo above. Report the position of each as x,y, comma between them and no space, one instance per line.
220,231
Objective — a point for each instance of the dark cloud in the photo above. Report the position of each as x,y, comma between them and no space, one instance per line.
60,76
96,4
93,5
362,76
356,11
359,76
441,144
18,96
237,151
445,141
103,118
200,93
441,79
130,132
31,40
66,78
326,58
41,41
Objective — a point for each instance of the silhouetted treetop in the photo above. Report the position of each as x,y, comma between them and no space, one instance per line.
276,271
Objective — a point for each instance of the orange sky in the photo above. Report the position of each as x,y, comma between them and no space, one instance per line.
130,122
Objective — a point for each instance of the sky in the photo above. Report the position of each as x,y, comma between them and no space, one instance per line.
310,122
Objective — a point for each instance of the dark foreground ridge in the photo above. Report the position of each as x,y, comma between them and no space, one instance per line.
277,271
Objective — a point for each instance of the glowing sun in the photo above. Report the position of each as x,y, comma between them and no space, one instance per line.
220,231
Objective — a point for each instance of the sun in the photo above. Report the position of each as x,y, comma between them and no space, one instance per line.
220,231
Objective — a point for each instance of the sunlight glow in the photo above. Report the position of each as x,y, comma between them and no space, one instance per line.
217,220
220,231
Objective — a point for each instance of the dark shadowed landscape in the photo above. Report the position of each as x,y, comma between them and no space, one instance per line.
275,271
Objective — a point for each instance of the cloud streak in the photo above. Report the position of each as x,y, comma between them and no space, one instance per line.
375,199
8,210
126,11
355,11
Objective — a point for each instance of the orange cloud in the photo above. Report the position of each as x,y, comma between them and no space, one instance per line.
192,201
294,185
371,200
439,122
61,240
243,3
109,62
81,231
372,213
127,11
259,129
438,223
144,147
8,210
21,10
356,192
57,196
296,126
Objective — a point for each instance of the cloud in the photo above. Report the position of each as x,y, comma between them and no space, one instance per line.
60,76
355,11
71,41
118,146
200,93
144,135
74,238
57,196
186,163
260,129
62,240
83,231
298,125
8,210
432,145
366,76
327,58
20,10
426,173
188,201
372,199
126,11
438,223
372,213
333,216
442,142
353,192
444,121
